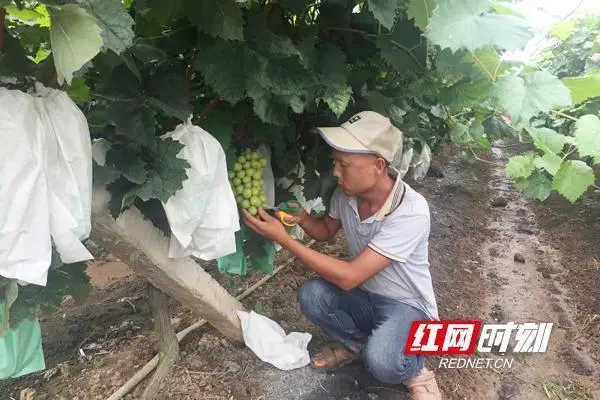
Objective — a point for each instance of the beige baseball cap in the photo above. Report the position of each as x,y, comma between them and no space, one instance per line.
366,132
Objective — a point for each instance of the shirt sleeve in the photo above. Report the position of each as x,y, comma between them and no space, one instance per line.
334,204
399,236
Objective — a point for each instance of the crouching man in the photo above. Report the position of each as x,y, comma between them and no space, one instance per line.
366,304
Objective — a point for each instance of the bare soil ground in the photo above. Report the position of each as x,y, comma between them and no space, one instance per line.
93,348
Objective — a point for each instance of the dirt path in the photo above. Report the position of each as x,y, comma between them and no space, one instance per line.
472,247
522,268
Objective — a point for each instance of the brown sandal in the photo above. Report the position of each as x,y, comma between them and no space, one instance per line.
330,355
424,386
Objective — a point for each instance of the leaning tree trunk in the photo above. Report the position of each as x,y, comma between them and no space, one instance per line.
168,346
134,240
143,247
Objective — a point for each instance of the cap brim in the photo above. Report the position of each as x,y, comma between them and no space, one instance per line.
340,139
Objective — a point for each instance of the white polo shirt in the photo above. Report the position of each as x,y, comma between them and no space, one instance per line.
400,232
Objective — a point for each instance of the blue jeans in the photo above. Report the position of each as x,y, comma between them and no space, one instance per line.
373,326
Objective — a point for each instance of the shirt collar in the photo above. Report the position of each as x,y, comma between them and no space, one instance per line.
394,198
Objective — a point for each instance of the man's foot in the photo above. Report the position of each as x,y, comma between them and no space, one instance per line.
424,386
332,357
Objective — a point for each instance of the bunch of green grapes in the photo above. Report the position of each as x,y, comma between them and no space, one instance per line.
247,181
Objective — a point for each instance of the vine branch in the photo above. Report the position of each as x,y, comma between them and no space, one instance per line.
344,29
407,50
166,34
567,116
2,17
483,160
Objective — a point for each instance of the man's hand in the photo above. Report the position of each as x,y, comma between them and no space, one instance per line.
266,225
297,217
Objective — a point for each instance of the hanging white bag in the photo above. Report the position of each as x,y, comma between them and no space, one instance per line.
25,246
68,165
420,162
203,214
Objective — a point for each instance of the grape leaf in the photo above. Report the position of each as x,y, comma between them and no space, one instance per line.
146,52
523,98
267,106
218,18
296,6
536,186
337,98
459,133
468,24
504,7
476,130
520,166
222,66
547,140
63,279
328,65
127,161
219,124
79,91
384,11
496,128
587,136
550,162
118,189
420,11
104,175
75,37
170,95
563,29
122,84
266,42
404,48
159,10
116,23
167,174
282,77
572,179
134,120
465,93
27,14
583,87
454,65
487,61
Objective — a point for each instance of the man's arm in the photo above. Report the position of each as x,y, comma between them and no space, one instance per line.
322,229
344,274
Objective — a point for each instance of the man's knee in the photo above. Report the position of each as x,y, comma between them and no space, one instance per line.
313,295
389,367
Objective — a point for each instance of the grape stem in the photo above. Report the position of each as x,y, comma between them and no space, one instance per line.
190,71
483,160
2,17
210,105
